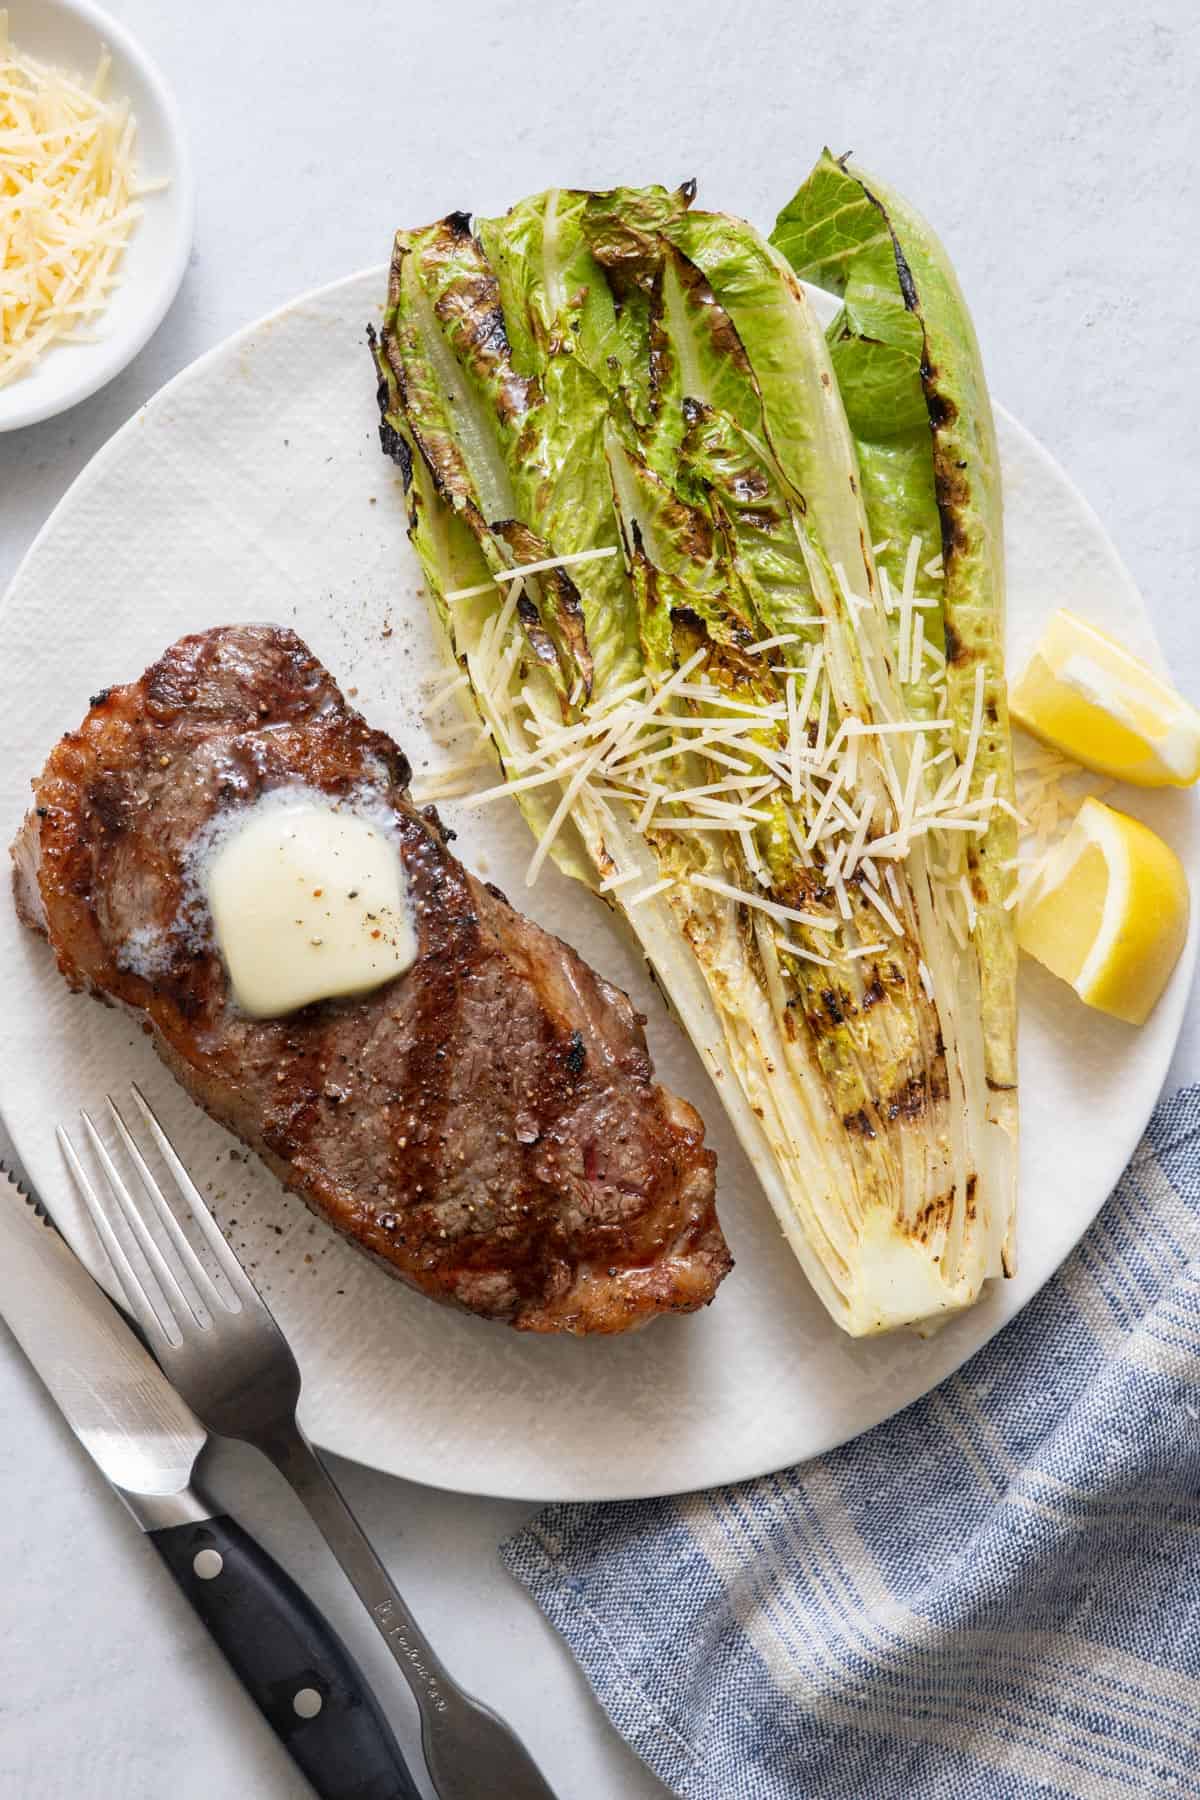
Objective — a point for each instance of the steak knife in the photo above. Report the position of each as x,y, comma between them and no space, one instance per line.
145,1442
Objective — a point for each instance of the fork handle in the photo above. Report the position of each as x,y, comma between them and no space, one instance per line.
469,1751
289,1659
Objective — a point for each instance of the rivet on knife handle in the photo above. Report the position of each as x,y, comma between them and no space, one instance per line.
234,1367
293,1665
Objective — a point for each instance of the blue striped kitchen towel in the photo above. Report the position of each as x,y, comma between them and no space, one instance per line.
994,1595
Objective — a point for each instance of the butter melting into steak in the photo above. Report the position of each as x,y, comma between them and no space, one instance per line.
487,1126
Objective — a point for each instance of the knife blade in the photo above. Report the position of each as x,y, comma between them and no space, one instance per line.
146,1442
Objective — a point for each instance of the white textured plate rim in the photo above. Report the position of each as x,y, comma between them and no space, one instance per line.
111,447
110,359
994,1312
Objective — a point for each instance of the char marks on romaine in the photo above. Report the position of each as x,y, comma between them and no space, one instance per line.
764,713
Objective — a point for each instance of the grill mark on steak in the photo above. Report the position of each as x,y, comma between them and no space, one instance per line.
486,1126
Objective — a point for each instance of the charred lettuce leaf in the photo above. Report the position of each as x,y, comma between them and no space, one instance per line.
698,706
911,377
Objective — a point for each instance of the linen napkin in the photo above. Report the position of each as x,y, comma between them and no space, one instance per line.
994,1595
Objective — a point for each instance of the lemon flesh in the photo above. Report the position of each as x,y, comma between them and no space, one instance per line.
1109,912
1087,697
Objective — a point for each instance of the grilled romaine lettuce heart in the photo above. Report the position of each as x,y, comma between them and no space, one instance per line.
909,369
707,706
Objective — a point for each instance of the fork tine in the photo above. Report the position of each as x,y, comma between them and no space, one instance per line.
206,1290
168,1281
136,1298
230,1267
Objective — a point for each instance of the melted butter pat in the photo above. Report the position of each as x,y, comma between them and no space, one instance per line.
308,903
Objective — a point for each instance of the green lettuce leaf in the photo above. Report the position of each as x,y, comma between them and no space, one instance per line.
910,371
622,377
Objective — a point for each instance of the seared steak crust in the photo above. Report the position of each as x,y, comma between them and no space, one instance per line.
487,1126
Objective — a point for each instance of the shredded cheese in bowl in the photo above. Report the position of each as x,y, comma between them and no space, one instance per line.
69,200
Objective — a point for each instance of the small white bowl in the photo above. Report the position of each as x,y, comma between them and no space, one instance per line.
71,34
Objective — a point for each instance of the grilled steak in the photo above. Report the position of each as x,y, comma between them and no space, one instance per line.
487,1125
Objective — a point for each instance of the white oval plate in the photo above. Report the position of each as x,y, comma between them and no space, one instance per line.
70,34
253,487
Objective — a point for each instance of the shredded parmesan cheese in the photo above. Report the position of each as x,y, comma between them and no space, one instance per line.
906,608
799,764
882,908
619,879
647,812
533,568
471,593
770,907
648,893
773,643
917,656
555,562
69,201
811,956
440,695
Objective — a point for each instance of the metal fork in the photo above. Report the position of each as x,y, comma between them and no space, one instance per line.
232,1364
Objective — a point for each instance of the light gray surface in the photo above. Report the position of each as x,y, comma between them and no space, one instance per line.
1056,150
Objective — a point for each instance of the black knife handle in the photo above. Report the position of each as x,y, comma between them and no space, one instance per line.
290,1661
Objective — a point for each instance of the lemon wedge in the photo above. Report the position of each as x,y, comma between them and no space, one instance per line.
1089,698
1108,912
